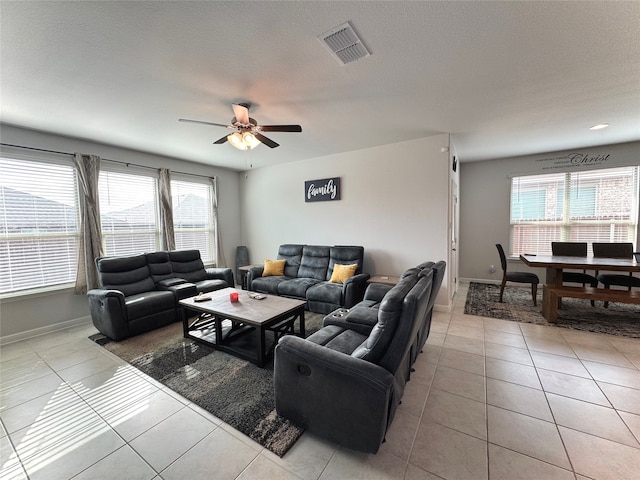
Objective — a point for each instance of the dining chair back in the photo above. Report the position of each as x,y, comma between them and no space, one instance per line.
615,250
516,277
574,249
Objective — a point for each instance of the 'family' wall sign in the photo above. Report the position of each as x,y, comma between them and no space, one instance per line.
323,190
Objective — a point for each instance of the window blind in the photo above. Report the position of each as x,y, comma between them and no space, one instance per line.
128,212
588,206
193,218
39,224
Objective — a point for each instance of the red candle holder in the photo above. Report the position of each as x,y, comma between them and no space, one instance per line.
233,297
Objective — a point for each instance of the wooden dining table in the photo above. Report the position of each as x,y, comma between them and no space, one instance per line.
555,264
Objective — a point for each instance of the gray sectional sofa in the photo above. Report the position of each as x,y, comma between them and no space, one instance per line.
307,272
345,381
139,293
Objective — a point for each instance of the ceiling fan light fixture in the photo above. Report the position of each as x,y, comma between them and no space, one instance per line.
250,140
235,139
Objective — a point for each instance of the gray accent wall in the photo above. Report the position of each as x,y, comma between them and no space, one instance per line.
485,195
394,202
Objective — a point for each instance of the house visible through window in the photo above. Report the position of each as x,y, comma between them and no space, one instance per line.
39,224
588,206
192,217
128,211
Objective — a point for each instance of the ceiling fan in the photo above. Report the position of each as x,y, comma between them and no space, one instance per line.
248,134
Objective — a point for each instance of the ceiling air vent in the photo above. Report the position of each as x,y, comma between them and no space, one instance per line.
344,44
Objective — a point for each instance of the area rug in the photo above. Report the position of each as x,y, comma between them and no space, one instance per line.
234,390
577,314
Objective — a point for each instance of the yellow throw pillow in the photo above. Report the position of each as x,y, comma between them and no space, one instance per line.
273,268
341,273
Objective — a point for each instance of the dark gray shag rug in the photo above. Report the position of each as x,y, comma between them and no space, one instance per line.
234,390
619,319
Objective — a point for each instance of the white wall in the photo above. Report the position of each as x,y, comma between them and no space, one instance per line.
485,197
31,314
394,202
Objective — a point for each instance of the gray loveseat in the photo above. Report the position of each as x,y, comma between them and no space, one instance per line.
345,381
139,293
307,272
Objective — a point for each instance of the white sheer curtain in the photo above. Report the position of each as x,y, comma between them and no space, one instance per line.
166,209
217,241
90,244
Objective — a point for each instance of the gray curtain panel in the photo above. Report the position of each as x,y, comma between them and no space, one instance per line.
166,209
217,241
90,245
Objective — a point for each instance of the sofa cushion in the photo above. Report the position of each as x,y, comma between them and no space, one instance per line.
292,253
148,303
187,264
314,262
341,273
296,287
267,284
389,314
159,266
345,255
326,292
273,268
130,275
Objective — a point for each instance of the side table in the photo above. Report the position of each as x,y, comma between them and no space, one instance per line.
243,274
384,279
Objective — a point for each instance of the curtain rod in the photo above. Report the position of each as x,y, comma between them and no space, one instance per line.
105,159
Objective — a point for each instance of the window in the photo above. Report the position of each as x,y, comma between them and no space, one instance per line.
39,224
192,217
128,211
590,206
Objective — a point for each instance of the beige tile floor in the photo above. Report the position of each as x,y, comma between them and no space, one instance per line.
489,399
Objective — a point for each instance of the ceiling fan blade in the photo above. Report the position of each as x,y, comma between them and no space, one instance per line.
242,113
280,128
204,123
220,141
267,141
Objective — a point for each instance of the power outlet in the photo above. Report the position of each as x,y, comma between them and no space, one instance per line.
492,269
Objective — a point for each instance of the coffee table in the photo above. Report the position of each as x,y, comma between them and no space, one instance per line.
241,328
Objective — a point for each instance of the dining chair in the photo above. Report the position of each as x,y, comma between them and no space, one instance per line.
516,277
574,249
615,250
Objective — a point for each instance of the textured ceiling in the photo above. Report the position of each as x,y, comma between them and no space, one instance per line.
504,78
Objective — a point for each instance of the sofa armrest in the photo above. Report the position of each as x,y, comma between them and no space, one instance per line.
253,273
353,289
339,397
108,312
225,274
376,292
170,282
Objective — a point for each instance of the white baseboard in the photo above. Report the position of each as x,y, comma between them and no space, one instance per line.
36,332
481,280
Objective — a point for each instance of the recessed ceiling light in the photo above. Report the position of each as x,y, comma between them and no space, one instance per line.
600,126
